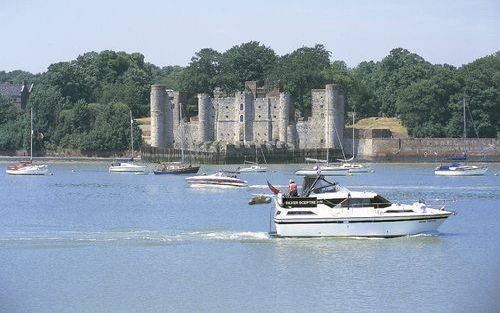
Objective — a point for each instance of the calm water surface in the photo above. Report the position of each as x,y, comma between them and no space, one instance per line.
85,240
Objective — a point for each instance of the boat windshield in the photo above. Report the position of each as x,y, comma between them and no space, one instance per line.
317,184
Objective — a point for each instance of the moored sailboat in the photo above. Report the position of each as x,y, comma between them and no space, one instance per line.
128,165
182,167
456,169
27,167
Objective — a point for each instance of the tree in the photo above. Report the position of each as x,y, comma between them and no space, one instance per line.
299,72
249,61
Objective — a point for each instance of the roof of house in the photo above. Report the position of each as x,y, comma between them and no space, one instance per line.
11,90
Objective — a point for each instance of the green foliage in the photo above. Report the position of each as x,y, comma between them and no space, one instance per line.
249,61
299,72
84,104
11,125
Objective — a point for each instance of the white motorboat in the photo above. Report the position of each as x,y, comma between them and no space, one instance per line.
27,168
126,166
219,179
325,170
456,169
327,209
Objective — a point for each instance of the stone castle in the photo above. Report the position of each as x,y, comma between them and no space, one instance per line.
249,117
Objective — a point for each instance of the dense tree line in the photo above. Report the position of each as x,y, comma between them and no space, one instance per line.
83,104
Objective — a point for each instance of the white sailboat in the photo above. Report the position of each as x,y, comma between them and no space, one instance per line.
327,169
127,165
455,169
254,167
348,164
27,167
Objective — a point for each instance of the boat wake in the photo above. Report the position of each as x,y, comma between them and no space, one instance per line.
74,238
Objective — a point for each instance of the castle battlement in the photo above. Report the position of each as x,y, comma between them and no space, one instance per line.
249,117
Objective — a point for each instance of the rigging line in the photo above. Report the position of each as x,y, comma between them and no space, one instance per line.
338,137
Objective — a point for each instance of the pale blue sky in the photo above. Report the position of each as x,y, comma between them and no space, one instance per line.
37,33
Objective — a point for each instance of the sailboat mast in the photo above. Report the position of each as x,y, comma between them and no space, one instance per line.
353,113
131,135
31,134
465,131
182,132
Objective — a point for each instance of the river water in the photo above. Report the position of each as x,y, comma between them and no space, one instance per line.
85,240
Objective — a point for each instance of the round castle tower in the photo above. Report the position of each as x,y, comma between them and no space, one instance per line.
283,117
204,117
158,102
334,117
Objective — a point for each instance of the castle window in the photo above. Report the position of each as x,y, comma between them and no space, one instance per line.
227,116
259,106
322,140
274,116
241,106
241,118
227,107
321,106
275,107
259,116
322,114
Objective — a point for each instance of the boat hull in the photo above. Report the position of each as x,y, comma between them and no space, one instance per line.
253,170
468,172
30,170
211,181
360,228
177,171
128,169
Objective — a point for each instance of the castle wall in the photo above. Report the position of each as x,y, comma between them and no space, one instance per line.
225,119
263,122
244,119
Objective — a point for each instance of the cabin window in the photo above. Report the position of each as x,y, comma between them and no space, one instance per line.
357,202
380,202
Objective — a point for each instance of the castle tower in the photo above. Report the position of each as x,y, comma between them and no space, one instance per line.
334,116
283,117
158,102
249,116
204,118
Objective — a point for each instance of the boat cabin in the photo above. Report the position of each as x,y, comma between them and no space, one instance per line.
317,190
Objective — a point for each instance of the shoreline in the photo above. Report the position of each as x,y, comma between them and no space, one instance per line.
6,159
